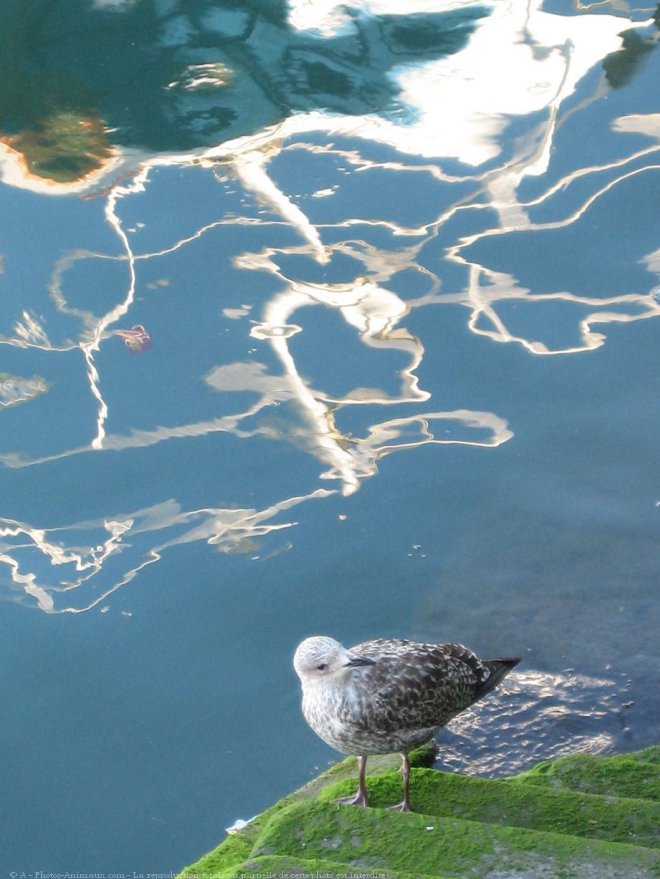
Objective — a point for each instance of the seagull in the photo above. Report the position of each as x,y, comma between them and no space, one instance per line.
388,695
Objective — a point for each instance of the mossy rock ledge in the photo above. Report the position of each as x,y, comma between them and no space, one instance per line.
578,817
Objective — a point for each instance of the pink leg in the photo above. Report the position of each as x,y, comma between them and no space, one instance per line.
404,805
360,798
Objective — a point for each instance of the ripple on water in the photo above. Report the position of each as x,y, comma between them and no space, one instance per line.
536,716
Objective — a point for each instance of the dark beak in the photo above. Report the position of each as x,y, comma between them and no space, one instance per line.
358,661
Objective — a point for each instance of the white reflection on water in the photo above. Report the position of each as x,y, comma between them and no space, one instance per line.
80,551
15,390
465,106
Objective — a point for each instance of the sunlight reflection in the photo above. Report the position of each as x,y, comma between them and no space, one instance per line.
535,716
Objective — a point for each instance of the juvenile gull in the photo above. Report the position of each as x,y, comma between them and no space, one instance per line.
388,695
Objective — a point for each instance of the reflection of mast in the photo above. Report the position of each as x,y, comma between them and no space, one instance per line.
90,347
229,530
89,563
374,311
250,167
323,436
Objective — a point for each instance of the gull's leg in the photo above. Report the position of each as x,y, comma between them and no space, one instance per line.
404,805
360,798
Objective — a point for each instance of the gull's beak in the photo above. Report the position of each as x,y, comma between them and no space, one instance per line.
357,661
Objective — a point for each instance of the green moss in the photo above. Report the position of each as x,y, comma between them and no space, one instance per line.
565,819
375,838
238,846
499,802
289,866
624,775
647,755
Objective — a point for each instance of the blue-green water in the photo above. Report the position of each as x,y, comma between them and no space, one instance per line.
396,277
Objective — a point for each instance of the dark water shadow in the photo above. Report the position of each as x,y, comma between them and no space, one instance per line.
79,79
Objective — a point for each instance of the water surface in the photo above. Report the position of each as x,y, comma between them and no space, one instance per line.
315,319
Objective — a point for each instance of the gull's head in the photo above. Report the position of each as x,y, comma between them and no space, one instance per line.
322,659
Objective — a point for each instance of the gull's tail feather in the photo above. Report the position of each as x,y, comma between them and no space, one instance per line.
497,669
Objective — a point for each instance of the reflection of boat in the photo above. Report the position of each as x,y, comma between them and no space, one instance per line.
219,71
61,147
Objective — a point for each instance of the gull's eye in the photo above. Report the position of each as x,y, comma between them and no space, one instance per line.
322,666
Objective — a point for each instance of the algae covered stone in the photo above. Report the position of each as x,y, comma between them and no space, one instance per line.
622,775
565,818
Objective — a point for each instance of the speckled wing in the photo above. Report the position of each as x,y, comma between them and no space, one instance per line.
418,686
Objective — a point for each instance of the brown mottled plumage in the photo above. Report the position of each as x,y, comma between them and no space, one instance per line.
388,695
